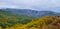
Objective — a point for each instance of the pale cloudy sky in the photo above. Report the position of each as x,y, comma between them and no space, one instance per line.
53,5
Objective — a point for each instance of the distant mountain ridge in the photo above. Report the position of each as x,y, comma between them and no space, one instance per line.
33,13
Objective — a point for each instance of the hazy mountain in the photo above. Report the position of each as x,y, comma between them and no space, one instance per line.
33,13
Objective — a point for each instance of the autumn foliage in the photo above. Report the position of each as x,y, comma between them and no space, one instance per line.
47,22
10,20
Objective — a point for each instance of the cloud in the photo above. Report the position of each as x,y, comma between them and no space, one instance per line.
31,4
5,5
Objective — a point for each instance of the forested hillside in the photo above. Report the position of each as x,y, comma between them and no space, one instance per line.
47,22
10,20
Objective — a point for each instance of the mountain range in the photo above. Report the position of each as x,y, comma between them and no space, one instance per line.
30,12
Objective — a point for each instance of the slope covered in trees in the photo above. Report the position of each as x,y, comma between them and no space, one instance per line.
10,20
47,22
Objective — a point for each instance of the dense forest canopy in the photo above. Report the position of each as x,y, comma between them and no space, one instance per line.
10,20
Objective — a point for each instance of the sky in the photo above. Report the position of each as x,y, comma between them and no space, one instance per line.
50,5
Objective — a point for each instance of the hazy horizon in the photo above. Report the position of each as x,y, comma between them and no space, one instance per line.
50,5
